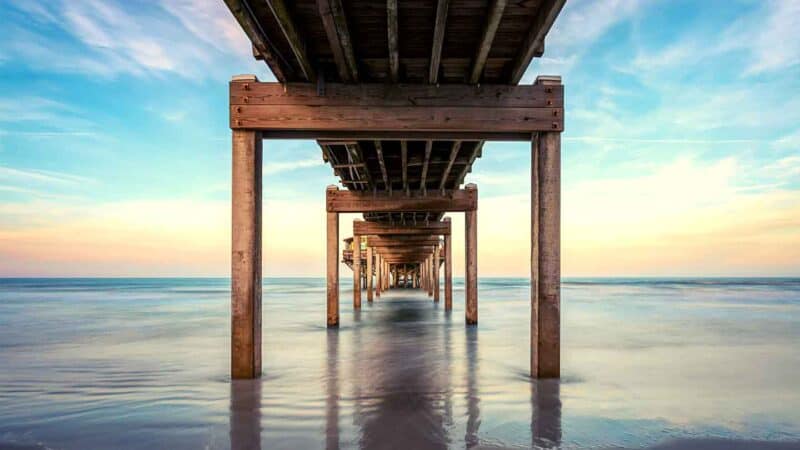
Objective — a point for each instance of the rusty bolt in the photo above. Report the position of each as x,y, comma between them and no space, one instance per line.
549,90
246,99
555,125
238,109
549,103
555,112
238,123
247,86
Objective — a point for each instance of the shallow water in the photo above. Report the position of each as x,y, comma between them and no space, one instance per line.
143,364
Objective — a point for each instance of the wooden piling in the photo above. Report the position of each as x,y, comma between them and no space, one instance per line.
448,271
246,255
369,274
378,273
548,295
471,262
333,265
436,274
356,271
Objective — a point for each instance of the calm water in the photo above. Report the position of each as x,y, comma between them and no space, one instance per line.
143,364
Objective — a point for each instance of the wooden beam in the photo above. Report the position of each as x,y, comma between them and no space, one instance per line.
382,163
438,40
453,154
548,11
279,66
246,255
436,256
365,228
404,163
333,264
282,16
355,202
425,164
448,270
247,92
493,17
356,272
475,153
391,27
369,274
335,23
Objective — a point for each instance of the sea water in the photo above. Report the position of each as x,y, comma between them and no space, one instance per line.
144,364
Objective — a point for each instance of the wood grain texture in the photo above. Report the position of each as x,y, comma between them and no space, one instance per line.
354,202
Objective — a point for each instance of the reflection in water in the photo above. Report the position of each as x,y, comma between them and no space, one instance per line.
245,415
546,413
332,394
473,401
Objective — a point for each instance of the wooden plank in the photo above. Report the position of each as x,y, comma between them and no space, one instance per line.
471,262
282,16
246,255
355,202
335,23
425,164
404,163
397,135
438,40
493,17
448,270
391,27
472,157
548,11
372,94
453,154
333,264
382,163
549,335
365,228
278,64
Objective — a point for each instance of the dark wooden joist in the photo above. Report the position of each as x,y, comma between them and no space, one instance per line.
406,243
335,23
382,163
438,40
425,164
453,154
404,163
365,228
355,202
392,30
367,175
282,15
278,64
476,153
534,41
493,17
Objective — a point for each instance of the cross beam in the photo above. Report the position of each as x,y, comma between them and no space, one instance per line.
355,202
362,228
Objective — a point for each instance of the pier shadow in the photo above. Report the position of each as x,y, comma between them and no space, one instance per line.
473,400
245,415
332,391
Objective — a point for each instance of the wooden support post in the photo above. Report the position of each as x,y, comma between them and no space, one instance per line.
246,255
333,266
356,271
448,271
546,255
436,274
378,274
471,263
396,277
369,274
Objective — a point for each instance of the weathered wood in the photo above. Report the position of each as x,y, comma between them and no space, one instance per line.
493,17
292,36
335,23
476,152
246,255
397,135
425,165
453,154
436,256
391,27
321,119
418,95
370,294
471,262
548,11
535,208
378,274
402,241
383,229
333,264
382,163
354,202
278,64
549,348
404,164
438,40
356,271
448,270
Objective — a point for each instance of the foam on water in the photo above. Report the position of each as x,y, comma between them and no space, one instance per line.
143,364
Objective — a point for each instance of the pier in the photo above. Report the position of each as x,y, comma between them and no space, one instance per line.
401,97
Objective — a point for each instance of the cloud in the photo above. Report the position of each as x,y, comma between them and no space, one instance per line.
272,168
42,176
770,37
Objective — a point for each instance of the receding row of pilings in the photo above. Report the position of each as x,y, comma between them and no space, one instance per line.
401,262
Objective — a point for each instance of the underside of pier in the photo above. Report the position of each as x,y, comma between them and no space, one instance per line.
401,97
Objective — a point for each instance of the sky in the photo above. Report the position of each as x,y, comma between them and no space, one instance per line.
680,157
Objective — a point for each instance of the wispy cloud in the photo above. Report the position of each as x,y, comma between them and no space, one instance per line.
272,168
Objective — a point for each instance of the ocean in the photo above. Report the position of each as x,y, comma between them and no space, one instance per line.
646,363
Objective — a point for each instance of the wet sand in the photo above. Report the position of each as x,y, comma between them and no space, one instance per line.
142,364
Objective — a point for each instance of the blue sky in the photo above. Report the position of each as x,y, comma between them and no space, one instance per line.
681,153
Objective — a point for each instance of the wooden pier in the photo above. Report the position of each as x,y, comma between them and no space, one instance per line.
401,97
